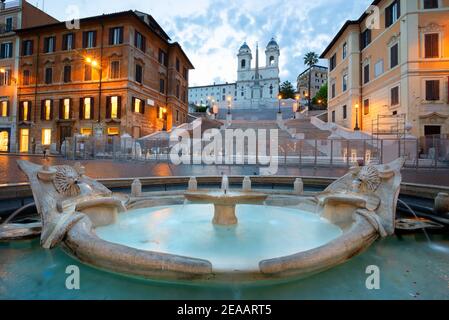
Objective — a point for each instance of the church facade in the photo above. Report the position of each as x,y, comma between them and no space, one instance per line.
255,87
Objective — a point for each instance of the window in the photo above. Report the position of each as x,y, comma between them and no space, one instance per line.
27,48
379,68
366,74
115,36
366,38
243,64
8,24
162,86
139,73
395,96
333,62
366,107
140,41
48,75
177,90
87,72
67,74
138,105
430,4
5,77
89,39
185,73
394,55
113,110
113,131
68,41
86,131
6,50
333,116
345,50
272,61
178,65
49,44
163,57
345,82
431,45
87,108
115,70
345,112
4,109
24,140
25,111
64,109
433,90
46,137
47,110
392,13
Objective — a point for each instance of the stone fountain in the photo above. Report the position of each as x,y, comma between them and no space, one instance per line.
292,235
225,202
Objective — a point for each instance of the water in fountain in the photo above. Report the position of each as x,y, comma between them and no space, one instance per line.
416,216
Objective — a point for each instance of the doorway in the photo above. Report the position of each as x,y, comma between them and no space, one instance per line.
24,140
432,130
4,140
64,132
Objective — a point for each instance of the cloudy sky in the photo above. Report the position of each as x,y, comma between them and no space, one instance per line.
211,31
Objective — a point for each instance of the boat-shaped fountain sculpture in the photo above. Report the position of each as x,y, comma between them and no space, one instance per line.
264,235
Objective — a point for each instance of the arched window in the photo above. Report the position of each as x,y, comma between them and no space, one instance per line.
271,60
243,63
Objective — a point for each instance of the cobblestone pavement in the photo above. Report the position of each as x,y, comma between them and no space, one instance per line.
10,172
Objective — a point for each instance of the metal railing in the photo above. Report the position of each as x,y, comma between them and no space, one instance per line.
426,152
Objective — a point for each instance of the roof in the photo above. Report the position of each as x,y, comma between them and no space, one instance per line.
153,25
272,43
214,85
343,29
176,44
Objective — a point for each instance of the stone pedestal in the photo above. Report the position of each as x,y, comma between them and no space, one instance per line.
224,214
441,205
193,184
136,188
246,186
279,116
298,186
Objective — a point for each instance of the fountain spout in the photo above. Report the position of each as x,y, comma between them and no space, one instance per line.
225,184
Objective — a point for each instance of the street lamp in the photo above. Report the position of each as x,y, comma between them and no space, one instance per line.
356,117
279,99
229,104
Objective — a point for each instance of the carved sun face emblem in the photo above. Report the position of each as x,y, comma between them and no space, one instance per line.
66,181
369,178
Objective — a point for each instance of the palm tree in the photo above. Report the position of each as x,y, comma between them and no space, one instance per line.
310,59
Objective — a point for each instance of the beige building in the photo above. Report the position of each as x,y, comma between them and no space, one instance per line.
13,15
395,71
318,77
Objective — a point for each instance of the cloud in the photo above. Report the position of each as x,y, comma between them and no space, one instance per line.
211,31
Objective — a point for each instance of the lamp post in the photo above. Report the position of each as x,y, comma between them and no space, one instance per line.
356,128
279,100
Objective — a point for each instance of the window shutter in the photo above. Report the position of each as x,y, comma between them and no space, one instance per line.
7,108
108,107
73,40
119,107
64,42
84,39
399,8
111,36
135,38
142,107
31,47
46,45
61,109
121,34
387,17
95,38
42,110
92,107
144,44
81,108
51,110
133,102
21,111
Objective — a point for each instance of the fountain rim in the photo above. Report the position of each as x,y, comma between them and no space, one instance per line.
83,243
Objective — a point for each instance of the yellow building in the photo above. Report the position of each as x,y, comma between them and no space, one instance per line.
390,68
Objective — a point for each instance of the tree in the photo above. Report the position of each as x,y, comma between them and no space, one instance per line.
321,97
287,90
310,59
